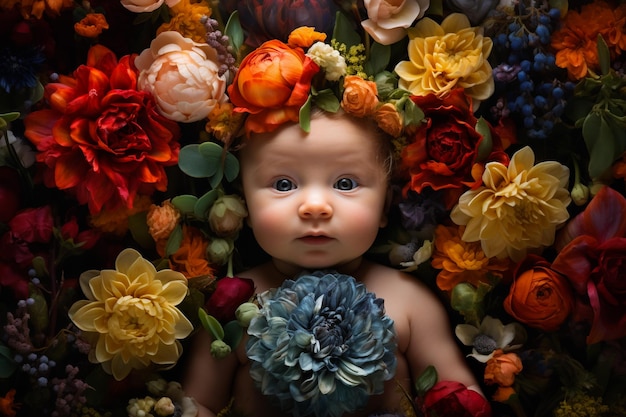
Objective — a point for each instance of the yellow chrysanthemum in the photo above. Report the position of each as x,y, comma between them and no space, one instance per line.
517,208
131,315
447,56
186,19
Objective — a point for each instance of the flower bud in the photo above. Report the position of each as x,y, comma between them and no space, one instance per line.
219,349
580,194
226,215
218,251
164,407
245,313
157,386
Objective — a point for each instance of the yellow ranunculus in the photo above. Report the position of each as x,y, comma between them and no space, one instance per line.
447,56
131,314
519,207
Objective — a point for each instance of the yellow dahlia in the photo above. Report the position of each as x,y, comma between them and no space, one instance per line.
447,56
130,314
517,208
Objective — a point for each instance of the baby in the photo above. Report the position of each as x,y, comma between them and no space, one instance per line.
316,201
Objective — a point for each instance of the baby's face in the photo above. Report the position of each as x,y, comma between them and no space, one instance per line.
315,201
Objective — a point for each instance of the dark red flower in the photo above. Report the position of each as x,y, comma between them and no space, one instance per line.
33,225
451,398
10,195
229,294
445,152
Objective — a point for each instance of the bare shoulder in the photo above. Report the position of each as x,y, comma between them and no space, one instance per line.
263,276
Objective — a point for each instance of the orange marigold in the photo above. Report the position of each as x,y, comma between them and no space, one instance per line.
190,258
8,407
462,261
91,26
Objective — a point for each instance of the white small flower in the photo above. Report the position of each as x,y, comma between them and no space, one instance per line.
491,335
329,59
419,257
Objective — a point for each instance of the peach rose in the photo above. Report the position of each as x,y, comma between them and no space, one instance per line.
183,76
144,6
162,220
272,83
539,297
359,96
389,120
502,368
389,19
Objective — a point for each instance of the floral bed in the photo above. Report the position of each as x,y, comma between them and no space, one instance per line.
121,230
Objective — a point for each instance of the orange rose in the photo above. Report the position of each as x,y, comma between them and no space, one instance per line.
272,83
389,120
539,296
502,368
359,96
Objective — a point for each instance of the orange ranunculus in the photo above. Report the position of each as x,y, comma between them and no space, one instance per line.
162,220
359,96
190,258
502,368
272,83
304,37
92,25
389,119
102,140
462,261
539,297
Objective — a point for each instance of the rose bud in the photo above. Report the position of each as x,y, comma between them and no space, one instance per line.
245,313
227,214
229,294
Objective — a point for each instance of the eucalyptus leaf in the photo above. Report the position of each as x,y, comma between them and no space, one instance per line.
344,31
604,55
231,167
193,163
185,203
215,180
211,325
234,31
204,203
233,333
174,241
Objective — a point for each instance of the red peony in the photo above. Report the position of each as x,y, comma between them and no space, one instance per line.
33,225
445,151
451,398
229,294
101,139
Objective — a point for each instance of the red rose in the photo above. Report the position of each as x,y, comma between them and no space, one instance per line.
451,398
33,225
444,151
229,294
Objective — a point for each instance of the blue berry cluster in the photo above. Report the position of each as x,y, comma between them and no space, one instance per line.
527,78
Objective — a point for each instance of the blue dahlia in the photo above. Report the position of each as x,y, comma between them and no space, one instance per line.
321,345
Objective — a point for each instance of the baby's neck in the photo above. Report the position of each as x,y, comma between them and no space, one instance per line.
288,271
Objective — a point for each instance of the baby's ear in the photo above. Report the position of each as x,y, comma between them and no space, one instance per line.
388,198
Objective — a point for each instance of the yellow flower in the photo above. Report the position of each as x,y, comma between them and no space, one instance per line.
131,314
187,20
447,56
517,208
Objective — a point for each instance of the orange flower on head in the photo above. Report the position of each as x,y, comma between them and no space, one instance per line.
190,258
502,368
462,261
272,83
360,97
304,37
92,25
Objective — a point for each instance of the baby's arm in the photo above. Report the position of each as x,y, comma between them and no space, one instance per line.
432,342
209,380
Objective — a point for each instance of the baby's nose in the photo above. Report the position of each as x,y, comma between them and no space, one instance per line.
315,206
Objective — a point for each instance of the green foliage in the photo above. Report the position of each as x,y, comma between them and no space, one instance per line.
344,31
486,145
7,364
426,380
174,241
208,160
234,31
211,325
379,57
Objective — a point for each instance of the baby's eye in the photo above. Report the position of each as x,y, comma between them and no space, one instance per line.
345,184
284,184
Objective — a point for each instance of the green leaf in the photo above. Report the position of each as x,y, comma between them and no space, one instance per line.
305,115
379,58
590,129
577,109
185,203
204,203
344,31
215,180
211,325
426,380
7,364
38,311
602,154
486,145
327,101
193,163
233,333
436,8
174,241
11,116
234,31
413,115
231,167
138,227
604,55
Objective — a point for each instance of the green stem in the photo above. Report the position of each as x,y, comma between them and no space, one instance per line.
229,271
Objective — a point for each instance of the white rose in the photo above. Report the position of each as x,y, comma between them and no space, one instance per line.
389,19
182,75
143,6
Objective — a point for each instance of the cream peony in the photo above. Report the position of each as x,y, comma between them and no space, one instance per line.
517,208
442,58
388,19
145,6
183,76
131,316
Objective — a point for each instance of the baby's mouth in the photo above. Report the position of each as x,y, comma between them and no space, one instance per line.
315,239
